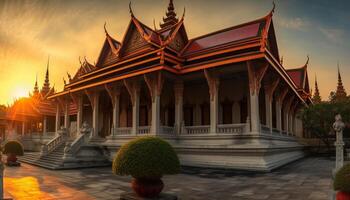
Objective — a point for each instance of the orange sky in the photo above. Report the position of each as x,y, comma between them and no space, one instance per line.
65,30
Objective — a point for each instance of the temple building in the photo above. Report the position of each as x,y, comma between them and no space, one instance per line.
223,99
32,119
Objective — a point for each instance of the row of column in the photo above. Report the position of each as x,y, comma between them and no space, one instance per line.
155,82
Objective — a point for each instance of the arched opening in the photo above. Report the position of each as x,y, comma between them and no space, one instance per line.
145,107
125,109
196,108
105,114
87,111
226,106
167,110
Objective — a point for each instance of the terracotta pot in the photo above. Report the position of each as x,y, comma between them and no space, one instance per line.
11,158
147,188
343,196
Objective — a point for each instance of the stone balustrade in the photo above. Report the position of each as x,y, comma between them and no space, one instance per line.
192,130
55,142
143,130
122,131
231,128
167,130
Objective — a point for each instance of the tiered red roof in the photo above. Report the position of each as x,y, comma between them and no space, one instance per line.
30,107
143,49
300,78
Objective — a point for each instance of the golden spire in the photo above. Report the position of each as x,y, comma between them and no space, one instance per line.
170,18
340,94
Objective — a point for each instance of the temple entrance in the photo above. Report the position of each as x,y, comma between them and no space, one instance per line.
105,114
125,109
87,111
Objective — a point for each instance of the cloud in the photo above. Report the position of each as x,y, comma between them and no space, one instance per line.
294,23
333,34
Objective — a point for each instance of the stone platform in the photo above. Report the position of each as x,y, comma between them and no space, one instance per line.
307,179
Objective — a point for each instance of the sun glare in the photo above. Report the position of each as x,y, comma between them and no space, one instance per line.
19,92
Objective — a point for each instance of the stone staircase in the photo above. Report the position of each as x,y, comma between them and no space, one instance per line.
53,160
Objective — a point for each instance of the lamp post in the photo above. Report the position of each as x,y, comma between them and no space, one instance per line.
338,127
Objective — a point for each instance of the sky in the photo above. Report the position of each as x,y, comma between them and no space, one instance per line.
64,30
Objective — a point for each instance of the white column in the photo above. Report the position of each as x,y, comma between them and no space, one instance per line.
254,111
23,128
95,112
155,122
58,118
116,108
79,113
44,125
279,115
135,110
179,88
290,123
268,105
214,106
286,122
66,115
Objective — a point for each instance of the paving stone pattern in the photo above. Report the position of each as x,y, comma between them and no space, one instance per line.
306,179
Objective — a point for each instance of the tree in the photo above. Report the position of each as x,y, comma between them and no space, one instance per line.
318,119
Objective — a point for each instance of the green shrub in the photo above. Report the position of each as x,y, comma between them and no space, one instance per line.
13,147
342,179
146,157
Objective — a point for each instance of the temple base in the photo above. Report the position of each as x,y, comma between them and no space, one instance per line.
250,152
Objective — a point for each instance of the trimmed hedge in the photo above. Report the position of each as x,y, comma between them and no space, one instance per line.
146,157
13,147
342,179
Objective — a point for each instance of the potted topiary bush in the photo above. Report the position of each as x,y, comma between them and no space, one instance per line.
146,159
12,149
342,183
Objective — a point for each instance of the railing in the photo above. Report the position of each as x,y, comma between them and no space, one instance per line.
192,130
143,130
53,144
122,131
231,128
167,130
76,144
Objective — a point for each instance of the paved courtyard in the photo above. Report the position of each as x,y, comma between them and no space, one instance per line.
307,179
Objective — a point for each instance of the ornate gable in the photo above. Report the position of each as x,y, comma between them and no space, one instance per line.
180,40
272,42
134,41
85,68
109,52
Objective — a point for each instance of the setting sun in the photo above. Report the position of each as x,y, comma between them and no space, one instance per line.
19,92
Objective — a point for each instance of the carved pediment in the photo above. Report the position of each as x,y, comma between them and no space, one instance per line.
178,43
108,55
134,41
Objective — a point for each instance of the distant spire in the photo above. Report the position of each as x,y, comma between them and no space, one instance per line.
316,98
36,88
46,87
340,94
170,18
